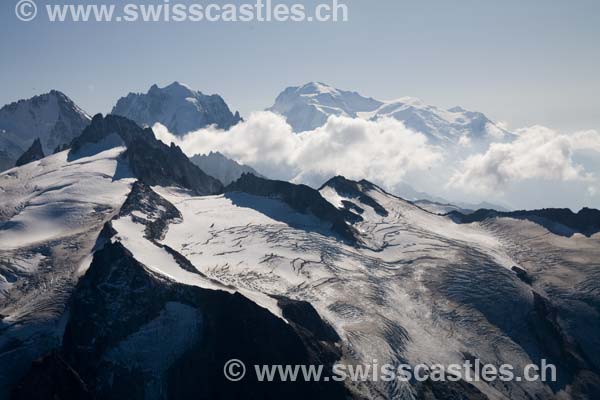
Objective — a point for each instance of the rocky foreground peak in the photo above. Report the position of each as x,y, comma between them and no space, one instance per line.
149,159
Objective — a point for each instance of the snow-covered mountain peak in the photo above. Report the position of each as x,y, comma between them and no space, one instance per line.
63,98
457,109
348,101
314,88
175,89
178,107
407,100
309,106
54,100
53,117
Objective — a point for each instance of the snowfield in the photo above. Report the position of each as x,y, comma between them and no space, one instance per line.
52,198
132,235
422,289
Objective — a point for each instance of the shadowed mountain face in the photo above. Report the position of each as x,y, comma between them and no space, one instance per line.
177,107
224,169
299,197
560,221
355,190
34,153
149,159
200,330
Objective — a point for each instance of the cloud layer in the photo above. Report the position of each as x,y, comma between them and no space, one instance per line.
536,167
536,153
382,151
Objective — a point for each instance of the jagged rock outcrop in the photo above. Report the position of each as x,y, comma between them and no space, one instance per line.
355,190
149,159
144,199
34,153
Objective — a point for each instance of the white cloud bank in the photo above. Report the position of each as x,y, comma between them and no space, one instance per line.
536,153
382,151
538,167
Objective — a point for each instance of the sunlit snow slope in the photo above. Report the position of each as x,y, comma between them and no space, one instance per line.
51,212
420,288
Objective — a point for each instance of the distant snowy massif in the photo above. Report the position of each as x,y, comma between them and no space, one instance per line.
128,270
309,106
177,107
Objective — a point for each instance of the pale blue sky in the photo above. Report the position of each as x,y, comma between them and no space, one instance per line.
523,62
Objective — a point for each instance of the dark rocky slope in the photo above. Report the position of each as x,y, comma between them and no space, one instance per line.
560,221
355,190
149,159
301,198
34,153
224,169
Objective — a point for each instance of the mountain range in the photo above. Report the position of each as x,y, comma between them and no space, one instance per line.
56,120
126,271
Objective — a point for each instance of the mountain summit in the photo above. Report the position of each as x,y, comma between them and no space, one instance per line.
307,107
52,117
178,107
150,160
